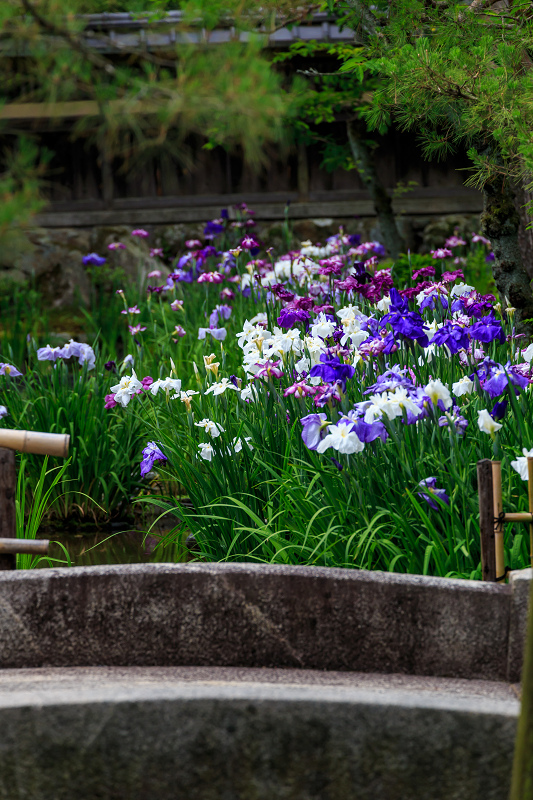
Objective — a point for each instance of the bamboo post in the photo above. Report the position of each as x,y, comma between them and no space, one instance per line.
530,504
498,521
486,519
53,444
8,483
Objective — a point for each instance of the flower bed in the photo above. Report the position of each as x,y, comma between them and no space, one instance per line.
323,406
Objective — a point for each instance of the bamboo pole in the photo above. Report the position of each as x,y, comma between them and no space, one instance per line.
47,444
498,521
31,546
486,519
518,516
530,504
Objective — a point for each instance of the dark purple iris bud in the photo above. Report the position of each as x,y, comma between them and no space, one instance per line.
360,272
354,239
331,370
224,214
454,337
151,454
489,258
314,430
292,316
110,366
213,229
155,289
93,260
336,463
430,491
487,330
499,409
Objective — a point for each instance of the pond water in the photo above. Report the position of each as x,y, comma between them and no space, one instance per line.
90,547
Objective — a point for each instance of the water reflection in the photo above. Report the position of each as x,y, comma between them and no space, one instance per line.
107,547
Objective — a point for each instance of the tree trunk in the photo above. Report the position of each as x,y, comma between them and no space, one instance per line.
525,235
500,222
366,167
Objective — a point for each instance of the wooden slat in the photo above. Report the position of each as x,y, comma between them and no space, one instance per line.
192,209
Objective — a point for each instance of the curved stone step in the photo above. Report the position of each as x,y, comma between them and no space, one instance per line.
188,733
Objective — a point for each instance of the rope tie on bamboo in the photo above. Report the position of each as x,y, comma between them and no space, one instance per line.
500,519
503,577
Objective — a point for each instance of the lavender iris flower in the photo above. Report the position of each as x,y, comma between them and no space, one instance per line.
3,412
452,336
151,454
93,259
7,369
291,316
313,430
221,312
429,487
48,353
331,370
390,380
217,333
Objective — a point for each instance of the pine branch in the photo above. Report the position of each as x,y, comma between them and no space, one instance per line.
74,42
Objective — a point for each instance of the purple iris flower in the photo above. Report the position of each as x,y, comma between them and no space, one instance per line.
93,259
489,257
221,312
110,366
360,272
213,229
354,239
291,316
410,325
487,329
500,377
313,430
390,380
429,487
430,300
331,370
397,302
369,431
452,336
454,418
151,454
